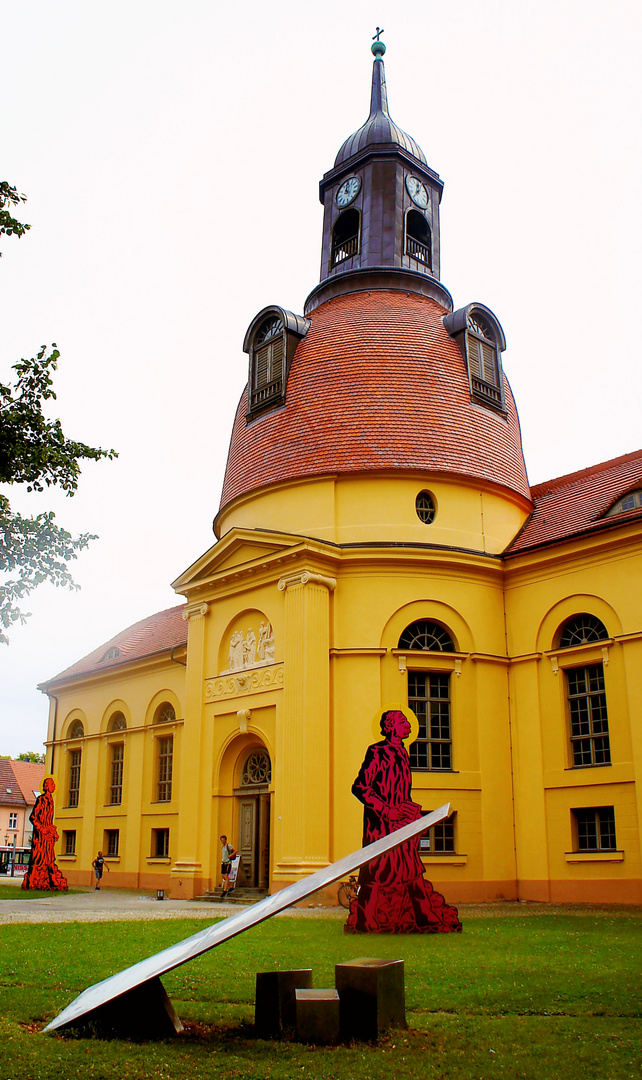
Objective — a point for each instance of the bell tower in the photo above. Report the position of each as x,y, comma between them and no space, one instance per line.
381,208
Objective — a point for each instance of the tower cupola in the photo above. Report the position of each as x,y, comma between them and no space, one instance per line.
381,208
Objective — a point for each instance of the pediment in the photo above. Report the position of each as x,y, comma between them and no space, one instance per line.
236,550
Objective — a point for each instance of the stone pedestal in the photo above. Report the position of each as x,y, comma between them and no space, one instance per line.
373,997
275,1007
317,1016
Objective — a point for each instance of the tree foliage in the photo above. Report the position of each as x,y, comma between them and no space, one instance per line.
34,451
10,197
32,756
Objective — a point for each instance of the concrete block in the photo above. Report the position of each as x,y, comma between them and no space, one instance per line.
317,1016
275,1005
373,997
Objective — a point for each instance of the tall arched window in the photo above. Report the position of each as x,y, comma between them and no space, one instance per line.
418,238
429,698
586,694
345,237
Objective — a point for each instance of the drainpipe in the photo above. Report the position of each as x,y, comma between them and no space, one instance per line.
53,734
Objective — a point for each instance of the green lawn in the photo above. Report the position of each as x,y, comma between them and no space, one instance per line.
16,892
532,996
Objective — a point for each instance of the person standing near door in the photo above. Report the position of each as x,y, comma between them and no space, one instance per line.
228,851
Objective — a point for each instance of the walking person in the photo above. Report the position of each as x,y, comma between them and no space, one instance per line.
99,864
228,851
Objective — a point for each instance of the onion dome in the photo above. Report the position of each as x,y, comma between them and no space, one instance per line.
377,384
379,129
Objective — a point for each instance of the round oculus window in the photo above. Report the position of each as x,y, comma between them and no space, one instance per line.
426,507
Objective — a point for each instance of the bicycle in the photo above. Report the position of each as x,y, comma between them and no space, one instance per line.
348,891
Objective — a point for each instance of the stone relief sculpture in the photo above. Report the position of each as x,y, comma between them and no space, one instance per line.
248,652
266,642
394,896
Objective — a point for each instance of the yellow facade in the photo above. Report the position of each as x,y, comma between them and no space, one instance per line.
337,616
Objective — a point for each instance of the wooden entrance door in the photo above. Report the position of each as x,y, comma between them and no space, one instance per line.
254,840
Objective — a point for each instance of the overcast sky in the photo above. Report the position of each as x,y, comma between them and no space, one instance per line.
171,155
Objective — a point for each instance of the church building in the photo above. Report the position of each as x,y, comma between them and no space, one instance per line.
377,545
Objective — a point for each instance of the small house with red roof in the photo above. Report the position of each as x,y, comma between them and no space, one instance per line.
19,788
377,545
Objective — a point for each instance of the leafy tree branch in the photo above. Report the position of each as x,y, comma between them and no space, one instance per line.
10,197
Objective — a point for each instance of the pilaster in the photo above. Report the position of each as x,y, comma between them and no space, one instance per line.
302,827
187,868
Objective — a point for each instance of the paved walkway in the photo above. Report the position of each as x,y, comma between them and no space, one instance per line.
112,905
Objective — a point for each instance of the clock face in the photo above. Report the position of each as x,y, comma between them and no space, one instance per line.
349,190
417,191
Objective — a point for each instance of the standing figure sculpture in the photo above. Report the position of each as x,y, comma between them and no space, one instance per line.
42,872
394,896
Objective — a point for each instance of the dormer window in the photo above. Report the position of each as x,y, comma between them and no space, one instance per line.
631,501
481,341
271,341
483,360
267,370
418,239
345,237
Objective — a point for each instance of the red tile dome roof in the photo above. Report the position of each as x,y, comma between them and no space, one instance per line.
377,384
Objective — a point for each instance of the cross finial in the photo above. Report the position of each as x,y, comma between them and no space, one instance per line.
378,47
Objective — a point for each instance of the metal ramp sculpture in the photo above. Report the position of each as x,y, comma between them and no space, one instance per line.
134,1001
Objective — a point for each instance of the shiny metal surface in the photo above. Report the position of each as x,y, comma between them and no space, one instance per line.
160,963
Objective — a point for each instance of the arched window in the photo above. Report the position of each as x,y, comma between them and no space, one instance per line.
117,722
429,698
418,238
429,636
76,730
582,630
345,237
257,769
165,713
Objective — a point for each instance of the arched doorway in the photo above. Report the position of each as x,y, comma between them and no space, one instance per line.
253,797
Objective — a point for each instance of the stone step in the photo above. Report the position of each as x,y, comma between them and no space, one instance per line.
237,896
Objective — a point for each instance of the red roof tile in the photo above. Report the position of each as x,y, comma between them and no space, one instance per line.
10,791
29,775
377,384
155,634
575,504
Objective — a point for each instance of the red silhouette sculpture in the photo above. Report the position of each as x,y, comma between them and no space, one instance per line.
394,896
42,872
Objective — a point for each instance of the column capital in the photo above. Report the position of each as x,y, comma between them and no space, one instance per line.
195,611
306,577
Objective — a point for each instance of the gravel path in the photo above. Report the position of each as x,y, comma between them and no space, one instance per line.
118,905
